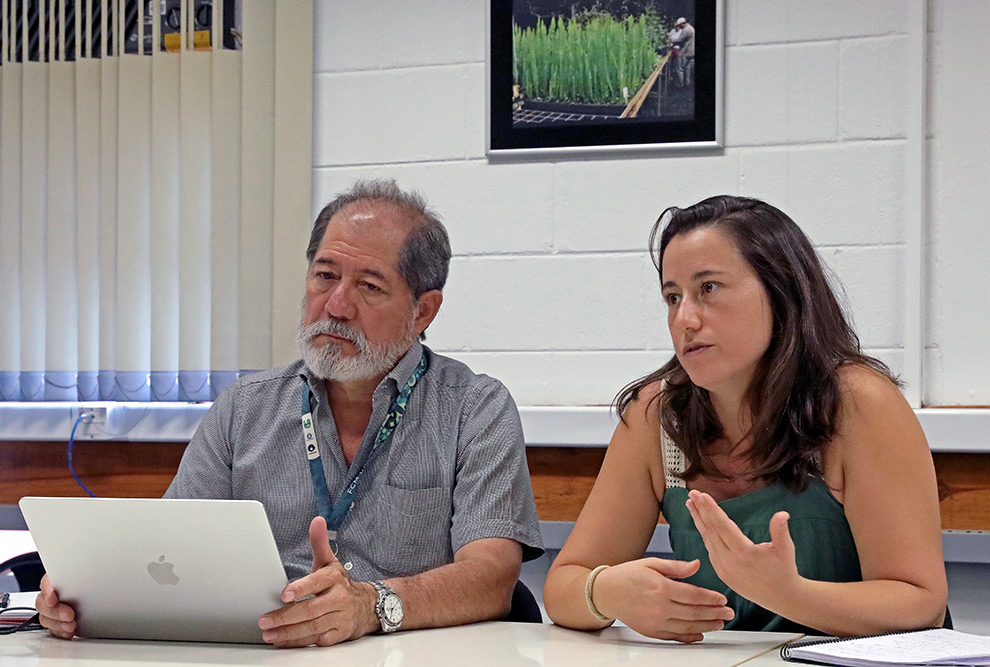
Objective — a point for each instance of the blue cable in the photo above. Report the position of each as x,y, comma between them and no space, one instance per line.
72,437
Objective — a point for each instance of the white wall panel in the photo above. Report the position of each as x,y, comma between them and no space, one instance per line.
485,208
775,21
343,43
872,98
429,32
523,303
958,237
636,195
847,193
430,126
782,94
871,278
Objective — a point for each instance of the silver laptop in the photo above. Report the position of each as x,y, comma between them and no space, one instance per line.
190,570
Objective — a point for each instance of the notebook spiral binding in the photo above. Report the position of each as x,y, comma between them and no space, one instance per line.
785,650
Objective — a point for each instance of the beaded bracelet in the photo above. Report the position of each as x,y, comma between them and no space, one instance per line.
588,586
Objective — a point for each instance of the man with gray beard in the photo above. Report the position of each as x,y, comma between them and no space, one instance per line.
394,478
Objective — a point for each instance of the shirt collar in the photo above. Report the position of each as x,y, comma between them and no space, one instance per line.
400,373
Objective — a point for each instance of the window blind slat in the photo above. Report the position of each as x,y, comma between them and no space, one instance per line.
258,186
108,226
10,231
226,216
34,199
165,197
61,293
134,229
194,237
293,184
5,23
87,158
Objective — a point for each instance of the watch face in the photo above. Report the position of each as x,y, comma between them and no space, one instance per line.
392,608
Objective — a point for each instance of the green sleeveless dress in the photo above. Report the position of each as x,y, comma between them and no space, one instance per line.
824,545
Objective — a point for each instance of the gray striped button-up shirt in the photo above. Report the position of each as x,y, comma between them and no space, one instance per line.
453,471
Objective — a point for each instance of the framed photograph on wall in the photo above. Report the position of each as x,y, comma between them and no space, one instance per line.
576,76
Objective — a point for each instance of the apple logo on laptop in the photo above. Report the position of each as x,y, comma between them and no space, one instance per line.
162,572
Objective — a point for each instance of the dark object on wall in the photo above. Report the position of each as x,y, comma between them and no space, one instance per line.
555,86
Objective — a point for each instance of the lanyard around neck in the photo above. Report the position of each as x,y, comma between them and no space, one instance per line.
335,514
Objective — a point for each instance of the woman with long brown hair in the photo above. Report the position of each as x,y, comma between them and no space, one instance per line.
796,480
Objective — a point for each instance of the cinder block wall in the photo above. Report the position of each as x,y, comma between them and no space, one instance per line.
551,289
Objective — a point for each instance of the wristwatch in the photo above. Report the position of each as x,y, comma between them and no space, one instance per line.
389,607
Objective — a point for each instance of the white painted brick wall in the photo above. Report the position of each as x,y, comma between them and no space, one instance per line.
396,115
601,302
551,289
872,79
486,209
340,44
612,204
782,94
784,21
872,277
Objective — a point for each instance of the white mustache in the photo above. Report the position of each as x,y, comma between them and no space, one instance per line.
337,328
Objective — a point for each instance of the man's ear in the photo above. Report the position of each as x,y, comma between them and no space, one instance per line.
426,309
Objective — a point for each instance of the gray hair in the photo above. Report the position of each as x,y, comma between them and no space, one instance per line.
424,259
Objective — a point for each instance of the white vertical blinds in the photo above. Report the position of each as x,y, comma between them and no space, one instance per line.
138,191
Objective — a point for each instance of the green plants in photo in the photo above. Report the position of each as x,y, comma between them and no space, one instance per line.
591,59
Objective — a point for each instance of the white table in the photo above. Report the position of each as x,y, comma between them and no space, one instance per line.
479,645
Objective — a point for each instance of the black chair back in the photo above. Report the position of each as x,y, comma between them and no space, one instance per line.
525,608
27,569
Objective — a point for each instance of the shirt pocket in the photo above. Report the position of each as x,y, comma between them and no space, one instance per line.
414,527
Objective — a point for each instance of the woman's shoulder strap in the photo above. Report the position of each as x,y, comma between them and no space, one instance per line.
673,461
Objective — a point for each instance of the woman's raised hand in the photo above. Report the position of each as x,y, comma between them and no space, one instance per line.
762,573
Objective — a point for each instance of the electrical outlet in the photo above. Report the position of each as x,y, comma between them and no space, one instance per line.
91,415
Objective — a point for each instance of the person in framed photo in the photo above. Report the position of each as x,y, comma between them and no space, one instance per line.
682,40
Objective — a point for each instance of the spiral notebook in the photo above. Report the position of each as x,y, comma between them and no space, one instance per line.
932,648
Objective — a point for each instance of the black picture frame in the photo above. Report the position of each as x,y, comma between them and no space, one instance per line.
509,136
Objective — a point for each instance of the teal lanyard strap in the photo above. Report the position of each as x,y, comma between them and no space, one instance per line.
336,514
